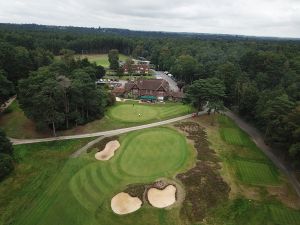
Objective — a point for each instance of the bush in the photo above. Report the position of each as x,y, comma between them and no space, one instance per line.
5,144
6,165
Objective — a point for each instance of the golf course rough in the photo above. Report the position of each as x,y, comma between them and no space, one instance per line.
144,156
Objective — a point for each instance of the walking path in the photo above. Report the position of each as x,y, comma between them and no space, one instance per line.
86,147
102,133
259,141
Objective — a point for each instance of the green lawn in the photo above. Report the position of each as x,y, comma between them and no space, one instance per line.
134,112
37,174
16,124
101,59
121,115
256,172
250,164
283,216
58,190
234,136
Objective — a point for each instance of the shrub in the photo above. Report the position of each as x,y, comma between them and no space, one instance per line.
6,165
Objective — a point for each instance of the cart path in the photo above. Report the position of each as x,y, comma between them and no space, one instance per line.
103,133
257,137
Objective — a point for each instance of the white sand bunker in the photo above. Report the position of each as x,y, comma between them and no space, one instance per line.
108,151
123,203
162,198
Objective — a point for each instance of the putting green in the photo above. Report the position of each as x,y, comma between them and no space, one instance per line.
153,152
144,156
137,113
133,113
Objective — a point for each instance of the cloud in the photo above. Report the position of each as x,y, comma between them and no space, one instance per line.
256,17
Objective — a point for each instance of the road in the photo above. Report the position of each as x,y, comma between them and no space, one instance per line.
257,137
102,133
172,83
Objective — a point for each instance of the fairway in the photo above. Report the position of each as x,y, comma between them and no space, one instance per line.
284,216
256,173
81,192
101,59
135,112
234,136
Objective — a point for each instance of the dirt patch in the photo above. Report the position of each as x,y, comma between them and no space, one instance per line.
285,194
141,190
205,188
108,151
197,134
123,203
136,190
162,198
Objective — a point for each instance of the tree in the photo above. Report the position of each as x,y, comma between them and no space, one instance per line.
57,98
6,156
113,58
211,90
294,152
100,72
275,113
185,68
5,144
229,73
6,88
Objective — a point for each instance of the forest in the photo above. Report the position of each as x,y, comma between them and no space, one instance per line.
261,76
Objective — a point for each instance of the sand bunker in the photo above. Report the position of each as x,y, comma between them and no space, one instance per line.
162,198
108,151
123,203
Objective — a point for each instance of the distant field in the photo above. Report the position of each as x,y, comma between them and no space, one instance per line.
101,59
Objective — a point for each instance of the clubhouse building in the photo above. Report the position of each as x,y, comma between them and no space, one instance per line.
148,90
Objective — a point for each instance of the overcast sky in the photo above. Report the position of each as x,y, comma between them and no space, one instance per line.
279,18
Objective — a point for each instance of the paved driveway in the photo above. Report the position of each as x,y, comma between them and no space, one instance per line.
172,83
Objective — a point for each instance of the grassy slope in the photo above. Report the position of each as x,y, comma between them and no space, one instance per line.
38,167
78,191
17,125
252,178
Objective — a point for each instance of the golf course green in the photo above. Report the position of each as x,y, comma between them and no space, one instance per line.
83,189
135,112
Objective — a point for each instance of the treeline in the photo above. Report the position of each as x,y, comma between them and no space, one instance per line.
54,39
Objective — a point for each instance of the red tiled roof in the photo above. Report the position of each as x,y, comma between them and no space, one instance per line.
151,84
